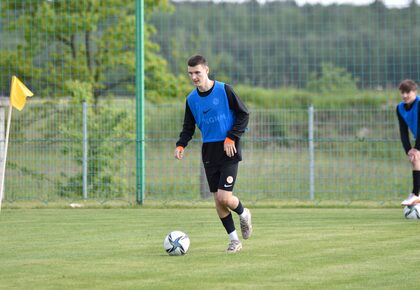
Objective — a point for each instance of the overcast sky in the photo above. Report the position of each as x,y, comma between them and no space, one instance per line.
388,3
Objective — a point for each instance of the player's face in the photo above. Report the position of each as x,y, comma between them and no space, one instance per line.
408,97
198,74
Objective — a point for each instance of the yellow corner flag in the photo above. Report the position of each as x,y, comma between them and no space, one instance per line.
18,94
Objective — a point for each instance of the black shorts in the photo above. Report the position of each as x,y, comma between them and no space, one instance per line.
222,177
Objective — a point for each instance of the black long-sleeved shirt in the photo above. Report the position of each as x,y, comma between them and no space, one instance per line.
405,138
213,152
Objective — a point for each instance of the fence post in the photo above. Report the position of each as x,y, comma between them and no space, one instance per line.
140,141
85,150
311,153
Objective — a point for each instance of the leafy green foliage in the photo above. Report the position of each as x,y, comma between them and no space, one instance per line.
291,97
65,42
280,43
109,133
85,49
331,79
80,91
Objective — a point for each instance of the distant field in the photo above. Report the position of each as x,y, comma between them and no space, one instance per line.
313,248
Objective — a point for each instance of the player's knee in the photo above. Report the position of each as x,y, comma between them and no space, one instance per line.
222,199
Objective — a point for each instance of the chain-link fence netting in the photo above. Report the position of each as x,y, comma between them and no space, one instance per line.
280,56
79,151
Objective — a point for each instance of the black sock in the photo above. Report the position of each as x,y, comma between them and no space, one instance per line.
239,209
228,223
416,182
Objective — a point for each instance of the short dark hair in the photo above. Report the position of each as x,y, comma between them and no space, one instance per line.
407,86
196,60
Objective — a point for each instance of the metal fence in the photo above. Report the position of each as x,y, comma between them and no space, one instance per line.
76,152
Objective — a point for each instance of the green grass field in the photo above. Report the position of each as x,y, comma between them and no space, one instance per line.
306,248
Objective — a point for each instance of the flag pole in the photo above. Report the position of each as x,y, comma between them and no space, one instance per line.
6,143
18,94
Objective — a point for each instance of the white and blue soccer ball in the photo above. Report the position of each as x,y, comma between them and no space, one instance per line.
412,212
176,243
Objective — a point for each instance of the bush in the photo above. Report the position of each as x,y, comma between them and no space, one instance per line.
331,79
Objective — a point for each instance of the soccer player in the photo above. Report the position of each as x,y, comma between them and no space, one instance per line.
408,117
222,119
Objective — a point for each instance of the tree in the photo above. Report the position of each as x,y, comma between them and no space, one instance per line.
85,49
89,41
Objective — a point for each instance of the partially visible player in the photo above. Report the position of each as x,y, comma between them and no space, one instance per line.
222,119
408,117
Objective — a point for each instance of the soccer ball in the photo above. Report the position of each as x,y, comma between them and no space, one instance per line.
412,212
176,243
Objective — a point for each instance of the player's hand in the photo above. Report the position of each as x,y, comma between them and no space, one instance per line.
413,155
179,152
229,147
